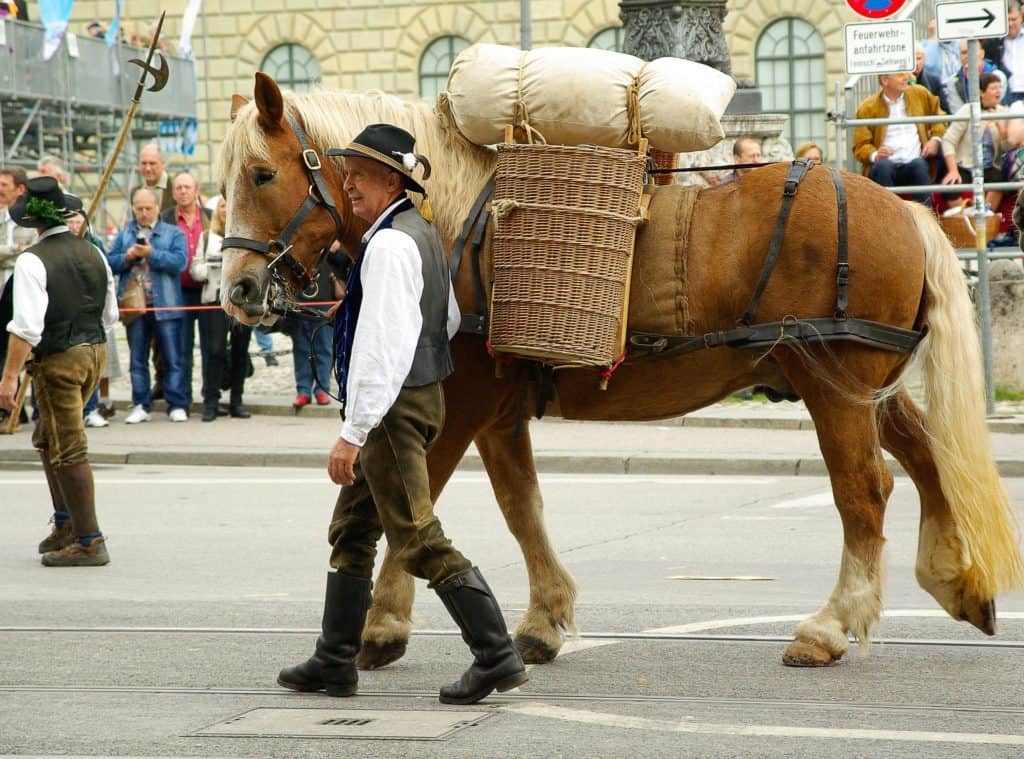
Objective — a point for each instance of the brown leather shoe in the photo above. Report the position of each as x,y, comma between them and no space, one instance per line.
59,537
76,555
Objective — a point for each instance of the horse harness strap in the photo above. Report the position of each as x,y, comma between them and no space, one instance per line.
475,225
821,329
797,171
825,329
318,194
843,258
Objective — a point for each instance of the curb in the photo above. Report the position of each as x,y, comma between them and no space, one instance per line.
547,463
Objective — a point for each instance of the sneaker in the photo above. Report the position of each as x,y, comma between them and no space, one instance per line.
96,419
178,415
136,415
78,555
322,398
300,400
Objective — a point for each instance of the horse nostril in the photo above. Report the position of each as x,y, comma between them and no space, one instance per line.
245,290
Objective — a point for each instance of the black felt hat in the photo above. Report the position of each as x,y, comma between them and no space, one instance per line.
44,204
391,146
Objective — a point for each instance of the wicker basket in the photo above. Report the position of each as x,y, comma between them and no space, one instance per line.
565,224
663,160
960,229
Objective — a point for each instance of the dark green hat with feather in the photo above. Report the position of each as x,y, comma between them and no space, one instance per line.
44,204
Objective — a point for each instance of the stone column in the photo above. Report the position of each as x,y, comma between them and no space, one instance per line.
690,29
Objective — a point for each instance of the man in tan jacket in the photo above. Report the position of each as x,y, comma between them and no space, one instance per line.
898,154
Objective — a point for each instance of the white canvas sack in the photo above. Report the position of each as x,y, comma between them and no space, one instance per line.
576,96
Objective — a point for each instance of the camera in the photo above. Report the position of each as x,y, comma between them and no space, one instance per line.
140,240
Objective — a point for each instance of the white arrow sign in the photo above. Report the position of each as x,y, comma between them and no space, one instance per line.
975,19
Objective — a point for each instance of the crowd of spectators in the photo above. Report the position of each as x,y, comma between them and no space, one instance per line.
936,153
171,243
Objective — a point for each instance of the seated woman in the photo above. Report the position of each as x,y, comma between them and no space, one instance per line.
958,151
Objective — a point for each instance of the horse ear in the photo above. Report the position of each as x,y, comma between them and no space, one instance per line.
269,102
237,101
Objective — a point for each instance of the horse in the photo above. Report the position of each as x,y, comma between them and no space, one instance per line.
903,272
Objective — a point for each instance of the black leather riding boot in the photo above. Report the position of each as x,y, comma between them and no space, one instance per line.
332,667
496,663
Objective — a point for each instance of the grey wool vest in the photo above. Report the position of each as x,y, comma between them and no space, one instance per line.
76,285
432,361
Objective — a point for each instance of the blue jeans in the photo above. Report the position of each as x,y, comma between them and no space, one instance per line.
168,337
263,340
890,174
191,296
323,351
93,403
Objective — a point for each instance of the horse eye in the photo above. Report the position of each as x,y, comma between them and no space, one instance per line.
261,177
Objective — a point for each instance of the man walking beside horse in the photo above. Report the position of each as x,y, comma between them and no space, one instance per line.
391,353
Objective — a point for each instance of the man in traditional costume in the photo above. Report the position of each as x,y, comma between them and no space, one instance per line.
64,299
391,353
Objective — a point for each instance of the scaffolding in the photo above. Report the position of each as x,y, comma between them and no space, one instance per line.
73,105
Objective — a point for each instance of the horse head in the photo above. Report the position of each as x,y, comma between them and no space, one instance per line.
285,205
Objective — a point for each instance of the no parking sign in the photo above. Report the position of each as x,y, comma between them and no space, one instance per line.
875,8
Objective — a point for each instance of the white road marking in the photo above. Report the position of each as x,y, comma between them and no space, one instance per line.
805,502
772,731
458,479
734,578
574,645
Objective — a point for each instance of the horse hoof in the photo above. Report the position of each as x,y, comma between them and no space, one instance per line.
534,650
804,653
982,616
375,656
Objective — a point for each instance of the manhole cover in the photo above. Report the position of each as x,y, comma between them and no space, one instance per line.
348,723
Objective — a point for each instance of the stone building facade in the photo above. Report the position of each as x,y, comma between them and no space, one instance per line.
383,44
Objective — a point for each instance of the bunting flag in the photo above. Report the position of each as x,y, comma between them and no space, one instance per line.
114,30
188,23
54,14
113,37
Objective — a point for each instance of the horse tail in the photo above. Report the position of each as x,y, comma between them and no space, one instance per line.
950,358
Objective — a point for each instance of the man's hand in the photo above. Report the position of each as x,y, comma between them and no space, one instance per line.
140,251
952,177
930,148
884,152
8,389
341,462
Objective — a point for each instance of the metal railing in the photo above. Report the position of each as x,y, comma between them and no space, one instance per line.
89,78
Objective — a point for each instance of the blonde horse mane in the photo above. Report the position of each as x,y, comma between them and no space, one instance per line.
332,119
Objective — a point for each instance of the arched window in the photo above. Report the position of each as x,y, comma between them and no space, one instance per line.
790,57
436,62
292,66
607,39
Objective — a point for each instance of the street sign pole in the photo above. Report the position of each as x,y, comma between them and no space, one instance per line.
980,226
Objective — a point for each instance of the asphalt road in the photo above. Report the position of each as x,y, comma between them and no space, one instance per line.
216,582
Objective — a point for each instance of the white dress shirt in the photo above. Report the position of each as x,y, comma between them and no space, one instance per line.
1013,59
388,327
902,139
31,298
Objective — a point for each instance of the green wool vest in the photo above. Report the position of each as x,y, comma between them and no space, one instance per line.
433,359
76,283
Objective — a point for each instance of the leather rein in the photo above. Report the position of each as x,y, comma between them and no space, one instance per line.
278,249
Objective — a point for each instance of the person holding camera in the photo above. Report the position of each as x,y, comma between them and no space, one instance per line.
156,253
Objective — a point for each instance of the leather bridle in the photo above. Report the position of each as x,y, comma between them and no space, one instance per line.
278,249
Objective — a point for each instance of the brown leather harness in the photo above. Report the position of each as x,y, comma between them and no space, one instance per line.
745,335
